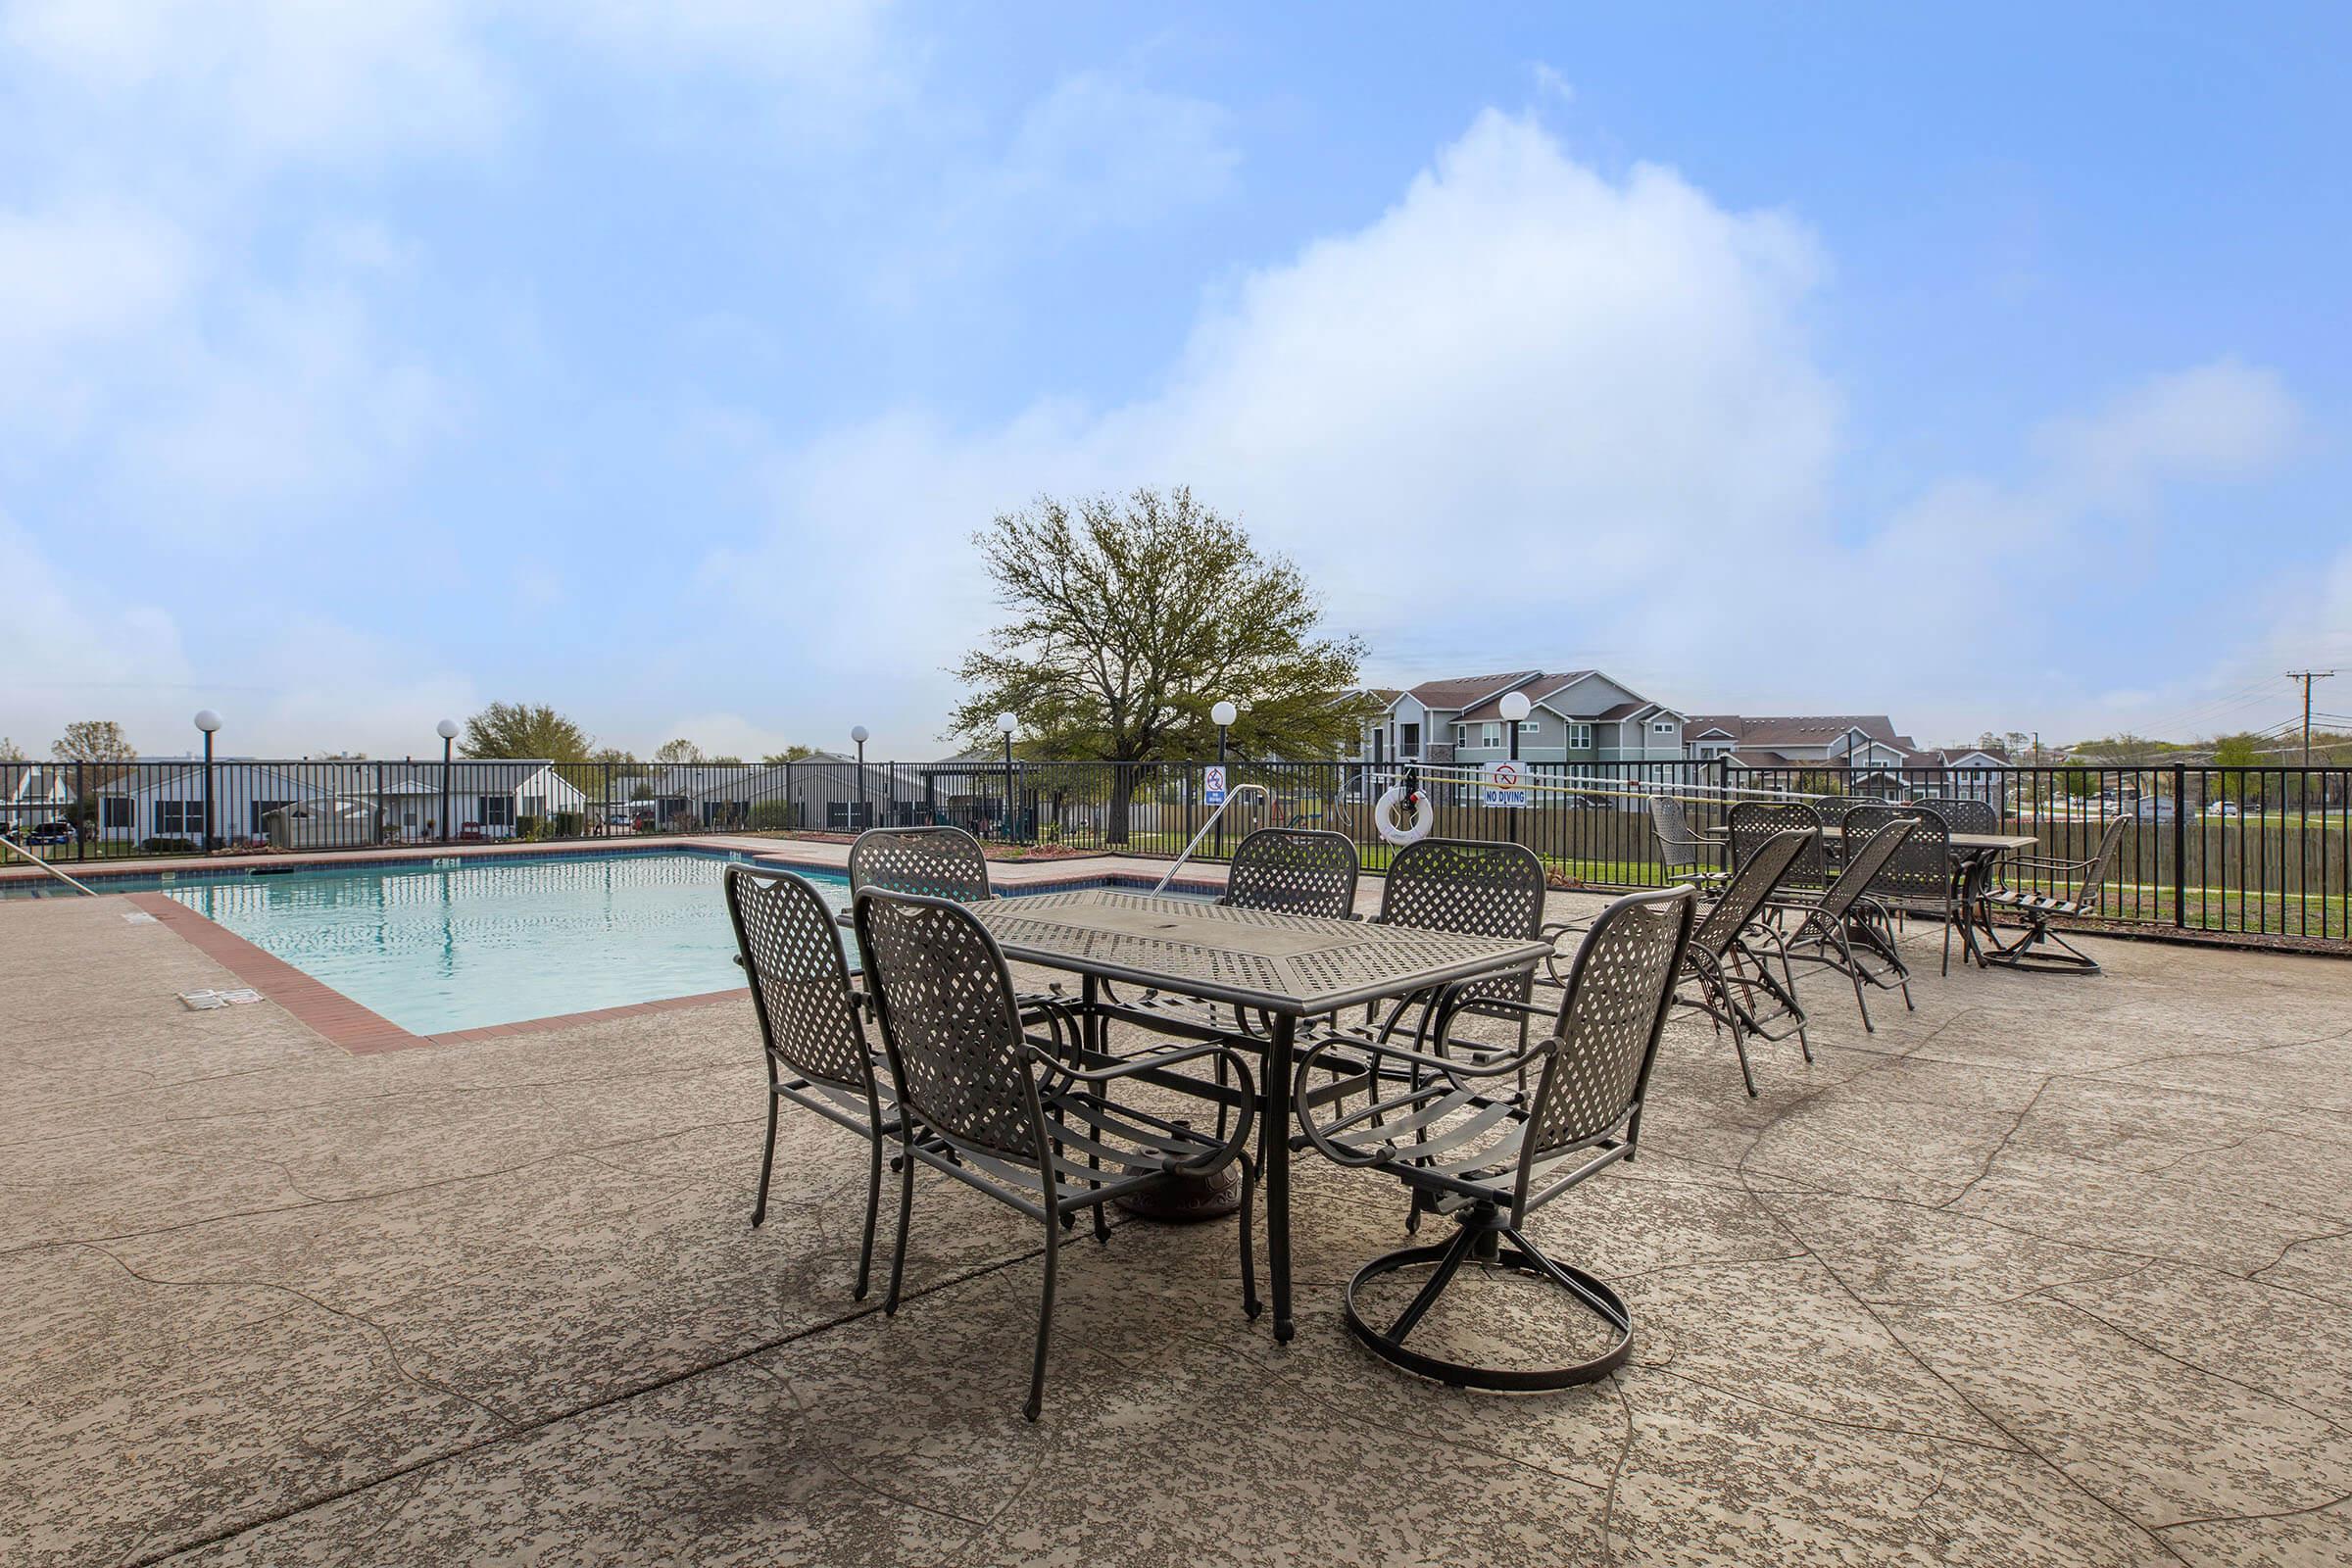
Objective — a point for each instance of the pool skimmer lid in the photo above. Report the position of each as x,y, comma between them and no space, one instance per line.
206,1000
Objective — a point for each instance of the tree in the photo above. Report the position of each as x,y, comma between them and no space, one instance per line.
790,753
518,730
9,750
93,740
677,753
1130,620
2234,752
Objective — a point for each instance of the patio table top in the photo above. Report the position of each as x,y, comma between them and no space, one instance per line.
1285,964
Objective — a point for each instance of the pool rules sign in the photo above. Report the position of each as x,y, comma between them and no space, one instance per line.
1506,786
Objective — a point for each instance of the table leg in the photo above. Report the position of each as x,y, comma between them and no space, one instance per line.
1277,1129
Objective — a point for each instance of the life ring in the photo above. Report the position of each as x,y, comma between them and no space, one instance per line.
1384,817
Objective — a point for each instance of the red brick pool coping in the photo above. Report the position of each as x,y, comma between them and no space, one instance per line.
341,1021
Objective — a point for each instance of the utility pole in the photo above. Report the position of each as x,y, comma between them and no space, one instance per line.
2307,676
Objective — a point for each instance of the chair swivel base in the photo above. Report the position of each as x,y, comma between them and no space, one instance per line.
2026,952
1588,1292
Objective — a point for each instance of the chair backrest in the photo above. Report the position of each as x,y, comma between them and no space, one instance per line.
1473,886
1293,871
1756,823
2102,862
1921,867
1676,847
1963,815
799,978
937,863
949,1023
1759,876
1611,1017
1865,858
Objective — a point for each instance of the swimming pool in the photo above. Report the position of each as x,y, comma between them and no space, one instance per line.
468,944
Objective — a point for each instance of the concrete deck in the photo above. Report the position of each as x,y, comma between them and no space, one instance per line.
2051,1271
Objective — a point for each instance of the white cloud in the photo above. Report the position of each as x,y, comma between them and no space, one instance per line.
274,80
1530,410
294,403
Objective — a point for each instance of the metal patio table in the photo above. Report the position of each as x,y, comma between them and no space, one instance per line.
1973,855
1280,967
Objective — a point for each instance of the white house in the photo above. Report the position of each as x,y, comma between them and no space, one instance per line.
34,792
165,800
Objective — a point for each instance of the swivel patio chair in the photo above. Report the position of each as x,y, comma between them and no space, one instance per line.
1728,979
940,862
1846,922
1920,878
2089,877
1468,1146
995,1107
1756,823
810,1026
1686,856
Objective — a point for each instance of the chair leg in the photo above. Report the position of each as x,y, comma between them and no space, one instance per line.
1251,1305
1853,970
873,1204
768,1161
898,1256
1045,1320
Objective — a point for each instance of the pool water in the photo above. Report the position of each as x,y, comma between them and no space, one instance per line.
488,942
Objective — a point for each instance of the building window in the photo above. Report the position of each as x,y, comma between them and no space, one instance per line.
494,810
1490,735
1409,739
1531,726
1661,726
1580,737
114,813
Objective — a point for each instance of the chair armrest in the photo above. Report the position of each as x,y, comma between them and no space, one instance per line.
1449,1066
1209,1161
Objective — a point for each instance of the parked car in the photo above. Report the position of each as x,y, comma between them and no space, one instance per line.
2223,809
53,831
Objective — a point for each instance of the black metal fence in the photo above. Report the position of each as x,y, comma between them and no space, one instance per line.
2248,852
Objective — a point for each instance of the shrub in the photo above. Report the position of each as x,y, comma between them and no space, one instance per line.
771,816
526,826
567,824
163,846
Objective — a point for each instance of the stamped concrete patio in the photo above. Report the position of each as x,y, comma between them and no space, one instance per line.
2051,1271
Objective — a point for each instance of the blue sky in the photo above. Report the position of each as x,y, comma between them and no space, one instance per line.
357,366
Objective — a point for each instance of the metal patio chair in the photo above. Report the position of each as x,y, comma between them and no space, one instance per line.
1686,856
1963,814
1283,870
1920,878
939,862
1469,1147
1293,871
1731,980
810,1026
1756,823
1846,919
1476,888
996,1106
2089,877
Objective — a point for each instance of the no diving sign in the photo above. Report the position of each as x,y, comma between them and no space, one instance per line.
1212,786
1506,786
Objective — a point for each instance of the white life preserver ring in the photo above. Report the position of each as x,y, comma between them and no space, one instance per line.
1384,817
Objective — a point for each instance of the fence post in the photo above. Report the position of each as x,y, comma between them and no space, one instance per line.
2180,846
81,846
